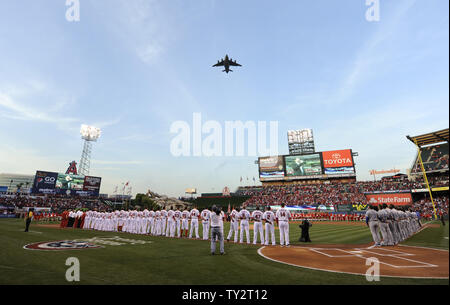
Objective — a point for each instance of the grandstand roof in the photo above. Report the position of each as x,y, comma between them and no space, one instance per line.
430,138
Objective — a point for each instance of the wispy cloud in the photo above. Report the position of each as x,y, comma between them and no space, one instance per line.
137,138
13,109
104,124
116,162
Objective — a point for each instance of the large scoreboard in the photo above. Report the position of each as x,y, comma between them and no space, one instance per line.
320,165
68,184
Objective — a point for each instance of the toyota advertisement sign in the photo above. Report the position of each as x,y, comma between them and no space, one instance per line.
338,162
44,182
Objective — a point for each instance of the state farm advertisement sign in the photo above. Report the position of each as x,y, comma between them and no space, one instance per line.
391,198
337,158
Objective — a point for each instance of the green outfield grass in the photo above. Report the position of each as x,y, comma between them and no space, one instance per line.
177,261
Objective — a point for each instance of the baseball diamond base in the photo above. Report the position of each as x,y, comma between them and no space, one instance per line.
397,261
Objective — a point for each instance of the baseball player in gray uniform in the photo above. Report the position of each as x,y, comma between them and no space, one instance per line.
373,224
391,222
384,226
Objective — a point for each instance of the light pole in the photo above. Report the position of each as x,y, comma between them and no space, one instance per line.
89,134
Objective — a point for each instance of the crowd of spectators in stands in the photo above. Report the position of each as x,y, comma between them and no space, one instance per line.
425,206
300,194
433,180
326,194
56,203
248,190
433,158
329,194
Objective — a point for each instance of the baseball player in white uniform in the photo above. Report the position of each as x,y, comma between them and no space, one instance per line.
373,224
269,218
170,224
257,216
283,216
163,221
205,215
244,215
158,223
216,219
234,225
194,222
152,222
177,216
185,222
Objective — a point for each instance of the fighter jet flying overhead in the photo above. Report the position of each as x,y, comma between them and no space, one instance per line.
227,62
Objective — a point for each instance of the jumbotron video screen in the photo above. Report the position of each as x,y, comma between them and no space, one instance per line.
69,182
303,165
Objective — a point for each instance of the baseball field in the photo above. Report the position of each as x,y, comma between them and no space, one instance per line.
337,255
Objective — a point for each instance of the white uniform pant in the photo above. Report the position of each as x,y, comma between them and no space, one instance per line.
257,227
184,224
171,228
153,226
158,227
163,226
194,227
234,227
284,233
270,229
205,225
244,227
178,226
86,222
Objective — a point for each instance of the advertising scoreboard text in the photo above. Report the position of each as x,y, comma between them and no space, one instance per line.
271,167
58,183
337,162
321,165
389,198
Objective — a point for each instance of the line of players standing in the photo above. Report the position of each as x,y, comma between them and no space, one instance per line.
175,223
395,224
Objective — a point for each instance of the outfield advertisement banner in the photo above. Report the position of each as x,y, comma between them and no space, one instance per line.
312,208
303,166
391,198
271,168
44,182
339,170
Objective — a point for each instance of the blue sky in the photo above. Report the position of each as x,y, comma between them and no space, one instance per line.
134,67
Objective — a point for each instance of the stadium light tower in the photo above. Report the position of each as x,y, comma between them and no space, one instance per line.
89,134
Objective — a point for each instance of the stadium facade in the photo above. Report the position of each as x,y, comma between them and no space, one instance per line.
10,183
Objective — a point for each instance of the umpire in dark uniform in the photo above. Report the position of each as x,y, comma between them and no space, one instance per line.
305,231
28,218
